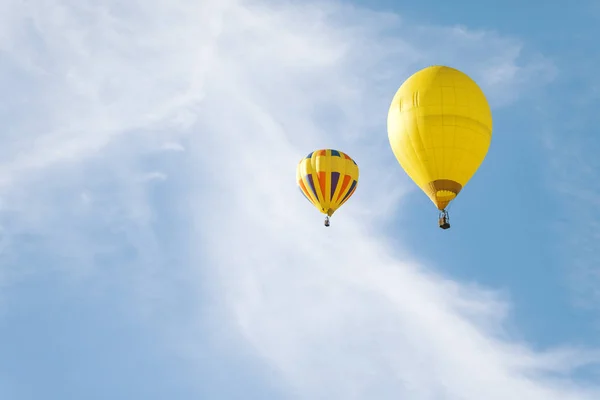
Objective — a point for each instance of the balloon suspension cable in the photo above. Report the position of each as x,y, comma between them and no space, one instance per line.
444,219
327,220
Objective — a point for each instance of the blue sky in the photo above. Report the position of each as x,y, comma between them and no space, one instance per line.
154,245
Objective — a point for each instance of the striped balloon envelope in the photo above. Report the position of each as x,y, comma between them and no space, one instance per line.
327,178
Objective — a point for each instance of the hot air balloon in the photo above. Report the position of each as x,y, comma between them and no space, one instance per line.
327,178
440,128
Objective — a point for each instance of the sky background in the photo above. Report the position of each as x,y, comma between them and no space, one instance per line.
154,245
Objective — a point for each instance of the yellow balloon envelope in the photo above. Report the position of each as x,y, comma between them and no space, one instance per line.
327,178
440,128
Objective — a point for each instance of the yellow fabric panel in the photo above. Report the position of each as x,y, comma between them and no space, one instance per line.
303,170
317,174
323,166
439,127
341,194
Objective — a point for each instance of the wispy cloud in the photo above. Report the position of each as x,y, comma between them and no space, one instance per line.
572,174
107,92
568,134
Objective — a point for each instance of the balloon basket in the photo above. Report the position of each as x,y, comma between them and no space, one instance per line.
444,220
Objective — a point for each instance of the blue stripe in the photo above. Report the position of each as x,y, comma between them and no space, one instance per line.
312,186
349,191
335,177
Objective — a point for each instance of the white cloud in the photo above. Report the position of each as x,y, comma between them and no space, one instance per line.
173,146
247,89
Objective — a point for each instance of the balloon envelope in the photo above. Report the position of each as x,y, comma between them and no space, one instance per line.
440,128
327,178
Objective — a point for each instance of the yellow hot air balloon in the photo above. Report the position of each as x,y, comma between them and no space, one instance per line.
327,178
440,128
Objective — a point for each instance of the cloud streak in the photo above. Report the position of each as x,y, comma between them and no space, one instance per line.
217,102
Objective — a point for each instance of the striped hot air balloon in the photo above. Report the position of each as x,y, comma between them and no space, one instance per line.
327,178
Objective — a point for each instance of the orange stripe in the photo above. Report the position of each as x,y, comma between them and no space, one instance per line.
350,195
322,177
345,183
306,192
